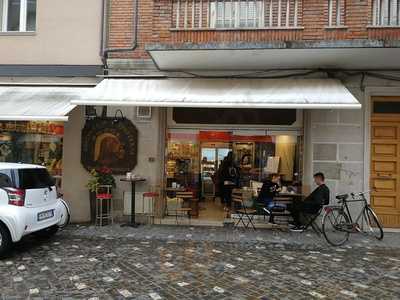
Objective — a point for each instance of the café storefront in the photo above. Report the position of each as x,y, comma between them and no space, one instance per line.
262,142
259,120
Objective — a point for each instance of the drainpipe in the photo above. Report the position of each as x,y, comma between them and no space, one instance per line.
104,36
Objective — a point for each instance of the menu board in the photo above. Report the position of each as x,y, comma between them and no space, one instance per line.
273,164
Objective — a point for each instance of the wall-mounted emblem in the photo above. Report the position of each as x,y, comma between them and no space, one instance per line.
109,142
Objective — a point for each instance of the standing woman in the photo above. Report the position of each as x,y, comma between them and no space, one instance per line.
229,179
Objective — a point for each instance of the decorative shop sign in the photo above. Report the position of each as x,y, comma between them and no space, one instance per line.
48,128
109,142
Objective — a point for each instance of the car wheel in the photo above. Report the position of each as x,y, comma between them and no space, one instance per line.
66,216
47,233
5,241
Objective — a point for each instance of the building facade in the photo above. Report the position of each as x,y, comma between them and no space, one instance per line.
50,54
265,79
355,42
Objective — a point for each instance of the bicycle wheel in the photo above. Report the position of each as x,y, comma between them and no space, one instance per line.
335,226
372,224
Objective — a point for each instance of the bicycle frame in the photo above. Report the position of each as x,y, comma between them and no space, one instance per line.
338,223
354,224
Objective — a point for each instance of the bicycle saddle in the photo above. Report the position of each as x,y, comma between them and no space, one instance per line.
342,197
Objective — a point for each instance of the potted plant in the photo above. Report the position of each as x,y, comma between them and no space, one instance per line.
102,176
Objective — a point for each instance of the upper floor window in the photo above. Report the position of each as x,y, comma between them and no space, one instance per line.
336,13
235,14
17,15
386,13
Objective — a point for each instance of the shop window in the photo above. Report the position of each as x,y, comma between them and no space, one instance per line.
182,166
32,142
194,158
234,116
17,15
197,160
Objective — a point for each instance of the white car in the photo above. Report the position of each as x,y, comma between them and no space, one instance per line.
29,203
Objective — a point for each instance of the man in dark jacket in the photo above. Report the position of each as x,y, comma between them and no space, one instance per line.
311,204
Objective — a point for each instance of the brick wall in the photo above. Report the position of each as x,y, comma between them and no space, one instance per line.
156,26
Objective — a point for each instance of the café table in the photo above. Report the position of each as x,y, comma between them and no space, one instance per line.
288,197
174,190
293,195
133,182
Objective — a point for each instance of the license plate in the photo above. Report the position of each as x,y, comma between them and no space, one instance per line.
48,214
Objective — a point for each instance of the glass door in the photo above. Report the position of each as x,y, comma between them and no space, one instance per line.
221,154
208,169
212,156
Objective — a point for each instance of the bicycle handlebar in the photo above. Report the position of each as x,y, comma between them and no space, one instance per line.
355,197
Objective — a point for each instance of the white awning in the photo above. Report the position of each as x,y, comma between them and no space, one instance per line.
22,103
222,92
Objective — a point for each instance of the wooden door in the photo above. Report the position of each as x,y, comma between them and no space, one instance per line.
385,168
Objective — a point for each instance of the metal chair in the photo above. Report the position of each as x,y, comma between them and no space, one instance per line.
104,209
310,220
242,211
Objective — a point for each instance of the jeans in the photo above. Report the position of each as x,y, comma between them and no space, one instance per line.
271,205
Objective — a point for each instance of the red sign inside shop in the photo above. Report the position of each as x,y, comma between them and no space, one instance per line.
218,136
226,136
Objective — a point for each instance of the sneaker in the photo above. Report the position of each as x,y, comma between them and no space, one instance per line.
266,211
297,229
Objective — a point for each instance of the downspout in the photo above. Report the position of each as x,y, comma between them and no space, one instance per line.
104,37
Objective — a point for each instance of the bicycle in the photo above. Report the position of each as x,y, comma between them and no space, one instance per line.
338,224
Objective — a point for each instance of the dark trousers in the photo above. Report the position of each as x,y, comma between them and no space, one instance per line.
227,194
299,208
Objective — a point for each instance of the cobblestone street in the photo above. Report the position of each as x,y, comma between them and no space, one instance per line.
199,263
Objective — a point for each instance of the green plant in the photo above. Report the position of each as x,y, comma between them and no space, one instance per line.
98,177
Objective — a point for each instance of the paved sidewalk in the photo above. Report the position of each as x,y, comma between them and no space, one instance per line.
199,263
306,240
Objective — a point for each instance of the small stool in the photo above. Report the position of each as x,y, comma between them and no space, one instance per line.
104,209
152,196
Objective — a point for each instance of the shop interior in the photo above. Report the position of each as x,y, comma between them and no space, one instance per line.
33,142
194,158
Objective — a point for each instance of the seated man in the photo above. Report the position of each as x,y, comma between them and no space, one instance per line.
269,190
311,204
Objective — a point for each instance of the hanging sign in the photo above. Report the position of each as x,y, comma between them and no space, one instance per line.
111,143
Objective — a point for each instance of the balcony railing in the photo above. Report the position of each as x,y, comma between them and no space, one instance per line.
386,13
236,14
